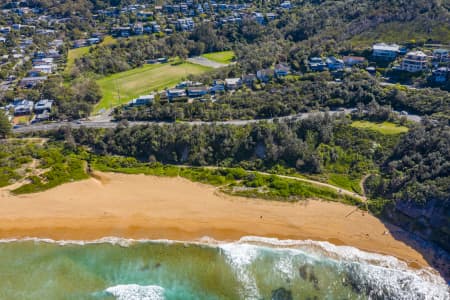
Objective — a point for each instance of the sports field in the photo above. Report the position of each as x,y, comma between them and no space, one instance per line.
223,57
384,127
122,87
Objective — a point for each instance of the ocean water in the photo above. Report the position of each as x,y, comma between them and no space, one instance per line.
252,268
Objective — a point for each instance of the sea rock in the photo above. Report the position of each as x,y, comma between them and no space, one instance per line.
281,294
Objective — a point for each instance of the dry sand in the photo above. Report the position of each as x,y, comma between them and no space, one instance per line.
139,206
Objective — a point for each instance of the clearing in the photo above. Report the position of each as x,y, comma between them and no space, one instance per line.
122,87
223,57
384,127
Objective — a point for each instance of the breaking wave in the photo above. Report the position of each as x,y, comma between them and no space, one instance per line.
374,275
136,292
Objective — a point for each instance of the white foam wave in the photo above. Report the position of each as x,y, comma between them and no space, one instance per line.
382,274
240,258
136,292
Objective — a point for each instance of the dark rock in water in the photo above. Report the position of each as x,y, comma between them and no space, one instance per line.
306,272
303,271
281,294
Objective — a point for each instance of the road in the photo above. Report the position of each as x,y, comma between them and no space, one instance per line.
107,122
203,61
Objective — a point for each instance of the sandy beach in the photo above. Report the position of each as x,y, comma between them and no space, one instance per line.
139,206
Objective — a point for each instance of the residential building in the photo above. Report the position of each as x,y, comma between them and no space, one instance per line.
385,52
265,75
43,105
45,69
441,75
317,64
350,61
142,100
22,107
233,83
286,5
218,86
415,61
44,116
175,93
334,64
197,91
249,79
282,70
29,82
441,55
186,24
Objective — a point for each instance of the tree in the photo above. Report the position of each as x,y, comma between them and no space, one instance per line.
5,125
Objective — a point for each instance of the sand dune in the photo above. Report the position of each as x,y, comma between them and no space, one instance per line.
139,206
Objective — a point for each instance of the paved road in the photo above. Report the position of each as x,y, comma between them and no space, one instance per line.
106,122
200,60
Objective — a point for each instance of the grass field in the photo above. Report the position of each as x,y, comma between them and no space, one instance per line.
223,57
133,83
384,128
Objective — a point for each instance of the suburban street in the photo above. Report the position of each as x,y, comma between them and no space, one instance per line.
107,122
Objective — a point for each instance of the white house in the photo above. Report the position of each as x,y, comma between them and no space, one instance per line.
233,83
415,61
385,51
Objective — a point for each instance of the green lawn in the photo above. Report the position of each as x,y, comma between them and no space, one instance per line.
223,57
384,128
133,83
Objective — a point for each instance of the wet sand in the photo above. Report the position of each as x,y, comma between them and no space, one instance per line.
148,207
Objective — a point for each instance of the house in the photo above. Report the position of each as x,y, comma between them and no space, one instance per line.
218,86
45,69
197,91
138,29
334,64
22,107
186,24
93,40
29,82
44,116
233,83
271,16
441,55
258,17
43,105
142,100
385,52
175,93
122,31
350,61
265,75
415,61
317,64
440,75
286,5
80,43
249,79
282,70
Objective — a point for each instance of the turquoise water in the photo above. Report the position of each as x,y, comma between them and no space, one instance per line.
253,268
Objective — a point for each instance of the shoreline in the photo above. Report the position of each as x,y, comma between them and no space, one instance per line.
163,208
